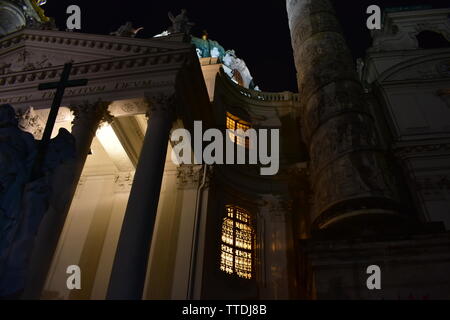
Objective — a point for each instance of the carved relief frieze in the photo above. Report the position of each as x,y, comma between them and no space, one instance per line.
332,100
28,60
353,176
192,176
433,187
30,121
341,135
123,182
189,176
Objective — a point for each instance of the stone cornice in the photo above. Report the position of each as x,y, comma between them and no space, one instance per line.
111,45
172,59
406,151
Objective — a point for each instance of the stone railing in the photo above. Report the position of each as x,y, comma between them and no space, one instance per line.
270,96
260,96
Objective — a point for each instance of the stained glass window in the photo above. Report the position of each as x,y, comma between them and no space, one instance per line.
237,243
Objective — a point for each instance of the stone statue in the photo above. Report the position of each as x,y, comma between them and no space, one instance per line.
237,70
126,30
180,23
23,202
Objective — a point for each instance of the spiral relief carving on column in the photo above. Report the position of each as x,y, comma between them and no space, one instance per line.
349,172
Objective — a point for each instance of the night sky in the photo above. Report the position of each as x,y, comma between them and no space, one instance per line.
257,30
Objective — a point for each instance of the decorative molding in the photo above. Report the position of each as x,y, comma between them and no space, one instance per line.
97,67
28,61
413,150
123,182
433,187
91,112
161,102
400,29
189,176
29,121
422,70
82,41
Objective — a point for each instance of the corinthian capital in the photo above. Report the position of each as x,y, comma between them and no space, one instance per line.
161,102
87,111
192,176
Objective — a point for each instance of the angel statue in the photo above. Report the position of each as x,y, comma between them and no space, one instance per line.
23,201
180,23
127,30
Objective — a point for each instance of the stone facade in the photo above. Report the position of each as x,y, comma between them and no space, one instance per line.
359,182
399,107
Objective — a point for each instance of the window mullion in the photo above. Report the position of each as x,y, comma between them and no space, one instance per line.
234,240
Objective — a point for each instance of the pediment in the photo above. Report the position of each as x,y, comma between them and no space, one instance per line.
431,67
37,49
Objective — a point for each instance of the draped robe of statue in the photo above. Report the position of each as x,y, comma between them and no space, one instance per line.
23,201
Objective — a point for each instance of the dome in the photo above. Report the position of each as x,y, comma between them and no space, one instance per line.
11,18
208,48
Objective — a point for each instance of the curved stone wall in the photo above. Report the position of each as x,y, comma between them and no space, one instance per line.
350,176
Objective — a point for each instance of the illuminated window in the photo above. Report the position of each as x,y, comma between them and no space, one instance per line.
233,124
237,243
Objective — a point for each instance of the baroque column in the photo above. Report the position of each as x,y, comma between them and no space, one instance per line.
87,119
130,264
352,181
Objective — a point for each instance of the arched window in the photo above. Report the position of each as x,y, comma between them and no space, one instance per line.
432,40
237,243
233,124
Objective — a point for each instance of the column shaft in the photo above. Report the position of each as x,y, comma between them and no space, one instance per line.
350,175
130,265
86,122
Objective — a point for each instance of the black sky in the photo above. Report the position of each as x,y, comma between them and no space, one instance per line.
257,30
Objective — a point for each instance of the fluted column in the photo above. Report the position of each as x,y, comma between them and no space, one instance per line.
130,264
351,178
87,119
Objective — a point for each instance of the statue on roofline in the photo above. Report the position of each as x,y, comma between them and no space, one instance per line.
127,30
23,201
180,23
238,71
37,7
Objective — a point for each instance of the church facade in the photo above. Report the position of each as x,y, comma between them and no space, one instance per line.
363,178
